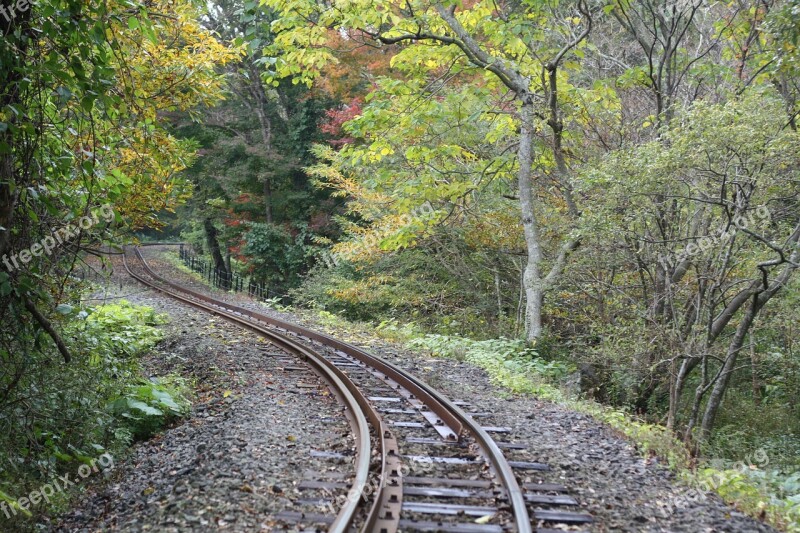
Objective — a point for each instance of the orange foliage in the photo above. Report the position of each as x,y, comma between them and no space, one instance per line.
359,63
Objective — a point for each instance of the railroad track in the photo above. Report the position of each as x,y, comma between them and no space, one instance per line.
422,463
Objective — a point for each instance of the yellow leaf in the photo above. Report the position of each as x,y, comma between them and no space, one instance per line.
484,519
226,394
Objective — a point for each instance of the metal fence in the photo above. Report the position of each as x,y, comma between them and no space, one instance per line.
229,281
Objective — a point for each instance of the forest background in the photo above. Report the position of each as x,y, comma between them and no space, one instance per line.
599,196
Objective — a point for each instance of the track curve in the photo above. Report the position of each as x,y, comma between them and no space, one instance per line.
450,421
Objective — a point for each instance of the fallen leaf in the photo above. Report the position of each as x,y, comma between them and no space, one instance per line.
484,519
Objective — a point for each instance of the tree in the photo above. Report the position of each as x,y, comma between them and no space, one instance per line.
254,143
82,86
508,47
728,175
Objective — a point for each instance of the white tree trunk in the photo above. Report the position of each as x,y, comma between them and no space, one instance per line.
531,278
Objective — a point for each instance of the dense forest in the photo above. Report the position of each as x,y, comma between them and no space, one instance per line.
601,193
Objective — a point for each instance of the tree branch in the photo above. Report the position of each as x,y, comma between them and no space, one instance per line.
48,328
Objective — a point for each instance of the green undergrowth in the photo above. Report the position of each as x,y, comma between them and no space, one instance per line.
766,494
175,260
84,414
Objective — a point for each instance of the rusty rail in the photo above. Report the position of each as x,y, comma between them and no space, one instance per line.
449,413
358,408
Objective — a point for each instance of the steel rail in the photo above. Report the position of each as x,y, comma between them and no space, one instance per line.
384,514
358,408
450,413
400,376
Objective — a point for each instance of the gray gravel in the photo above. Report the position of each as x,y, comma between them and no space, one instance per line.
237,460
608,477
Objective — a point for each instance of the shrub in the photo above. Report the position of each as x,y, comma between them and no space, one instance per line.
147,407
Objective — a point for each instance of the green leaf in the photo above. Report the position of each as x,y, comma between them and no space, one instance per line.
144,408
87,102
64,309
13,503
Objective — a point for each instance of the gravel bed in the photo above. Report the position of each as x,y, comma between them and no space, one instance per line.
237,459
623,491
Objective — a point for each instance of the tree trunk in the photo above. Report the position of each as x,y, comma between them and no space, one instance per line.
531,278
498,293
756,383
674,397
10,67
735,346
699,392
532,281
261,107
268,199
216,255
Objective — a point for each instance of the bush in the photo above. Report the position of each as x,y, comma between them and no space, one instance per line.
147,407
275,255
60,416
505,358
409,286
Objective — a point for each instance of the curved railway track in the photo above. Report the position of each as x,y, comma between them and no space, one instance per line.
384,494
